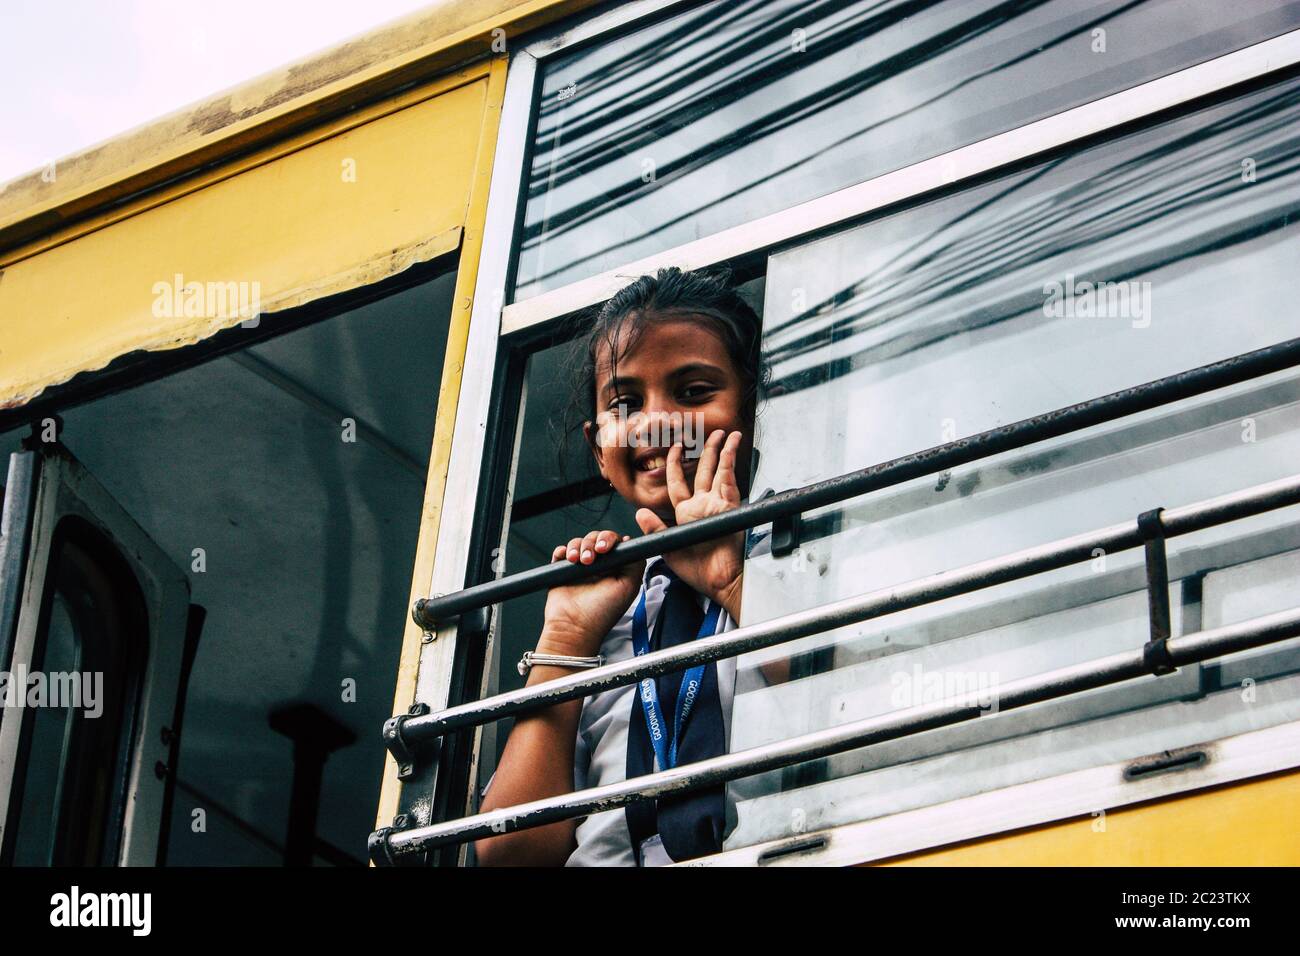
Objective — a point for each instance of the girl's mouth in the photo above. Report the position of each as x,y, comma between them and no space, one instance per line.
656,466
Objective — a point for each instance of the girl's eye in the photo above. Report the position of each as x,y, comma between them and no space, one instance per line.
698,390
623,402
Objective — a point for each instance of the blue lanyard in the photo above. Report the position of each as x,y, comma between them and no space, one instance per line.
649,691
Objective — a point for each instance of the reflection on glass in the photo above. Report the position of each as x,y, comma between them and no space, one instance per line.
51,743
1090,273
734,110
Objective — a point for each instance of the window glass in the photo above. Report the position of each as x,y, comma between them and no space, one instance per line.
91,652
51,740
1168,249
731,111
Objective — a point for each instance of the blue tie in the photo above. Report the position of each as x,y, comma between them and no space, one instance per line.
689,824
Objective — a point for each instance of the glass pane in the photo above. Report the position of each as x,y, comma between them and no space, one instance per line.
51,737
732,111
1136,259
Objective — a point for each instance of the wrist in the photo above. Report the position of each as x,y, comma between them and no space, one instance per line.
558,640
729,596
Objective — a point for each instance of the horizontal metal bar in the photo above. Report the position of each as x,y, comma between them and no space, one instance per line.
431,612
414,732
842,207
1054,684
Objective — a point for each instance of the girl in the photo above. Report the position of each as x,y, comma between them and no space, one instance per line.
670,375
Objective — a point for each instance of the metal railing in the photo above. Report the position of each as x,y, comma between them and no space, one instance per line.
416,731
431,612
1161,654
408,734
387,846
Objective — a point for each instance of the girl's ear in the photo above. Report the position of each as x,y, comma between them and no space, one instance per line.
589,433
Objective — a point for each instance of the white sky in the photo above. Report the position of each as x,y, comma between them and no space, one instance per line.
76,72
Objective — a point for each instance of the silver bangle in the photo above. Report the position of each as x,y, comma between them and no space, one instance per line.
530,659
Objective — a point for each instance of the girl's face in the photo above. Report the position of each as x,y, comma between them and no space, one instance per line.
677,383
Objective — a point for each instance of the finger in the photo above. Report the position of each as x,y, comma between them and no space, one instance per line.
648,521
678,489
588,547
708,462
725,482
574,549
605,541
559,552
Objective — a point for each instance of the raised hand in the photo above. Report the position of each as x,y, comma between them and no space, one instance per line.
714,568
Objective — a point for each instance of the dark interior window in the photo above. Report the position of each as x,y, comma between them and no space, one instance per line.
75,753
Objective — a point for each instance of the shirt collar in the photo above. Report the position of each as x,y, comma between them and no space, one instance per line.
653,568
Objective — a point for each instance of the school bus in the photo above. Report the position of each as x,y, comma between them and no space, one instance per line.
280,374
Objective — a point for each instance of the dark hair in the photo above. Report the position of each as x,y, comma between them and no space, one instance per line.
672,293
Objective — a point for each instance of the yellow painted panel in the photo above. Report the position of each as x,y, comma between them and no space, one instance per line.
439,37
293,229
448,402
1253,823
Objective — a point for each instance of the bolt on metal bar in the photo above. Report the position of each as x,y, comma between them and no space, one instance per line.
389,845
413,732
430,612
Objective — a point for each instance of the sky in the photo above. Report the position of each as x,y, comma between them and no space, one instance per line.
74,73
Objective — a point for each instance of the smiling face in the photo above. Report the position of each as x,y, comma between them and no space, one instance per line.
677,381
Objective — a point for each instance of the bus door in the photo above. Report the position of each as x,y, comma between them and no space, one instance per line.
96,635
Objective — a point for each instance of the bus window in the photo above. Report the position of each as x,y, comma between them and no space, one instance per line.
92,644
51,731
730,111
557,494
1084,275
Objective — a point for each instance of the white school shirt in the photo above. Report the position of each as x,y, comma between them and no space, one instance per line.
600,756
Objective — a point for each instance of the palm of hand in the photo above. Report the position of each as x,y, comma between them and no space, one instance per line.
711,567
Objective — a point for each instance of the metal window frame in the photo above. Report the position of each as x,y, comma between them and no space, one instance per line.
501,334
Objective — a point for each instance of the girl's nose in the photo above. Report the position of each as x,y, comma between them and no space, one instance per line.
659,425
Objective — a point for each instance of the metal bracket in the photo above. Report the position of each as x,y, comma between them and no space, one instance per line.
417,615
787,534
396,743
787,531
1155,653
475,621
474,625
377,847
